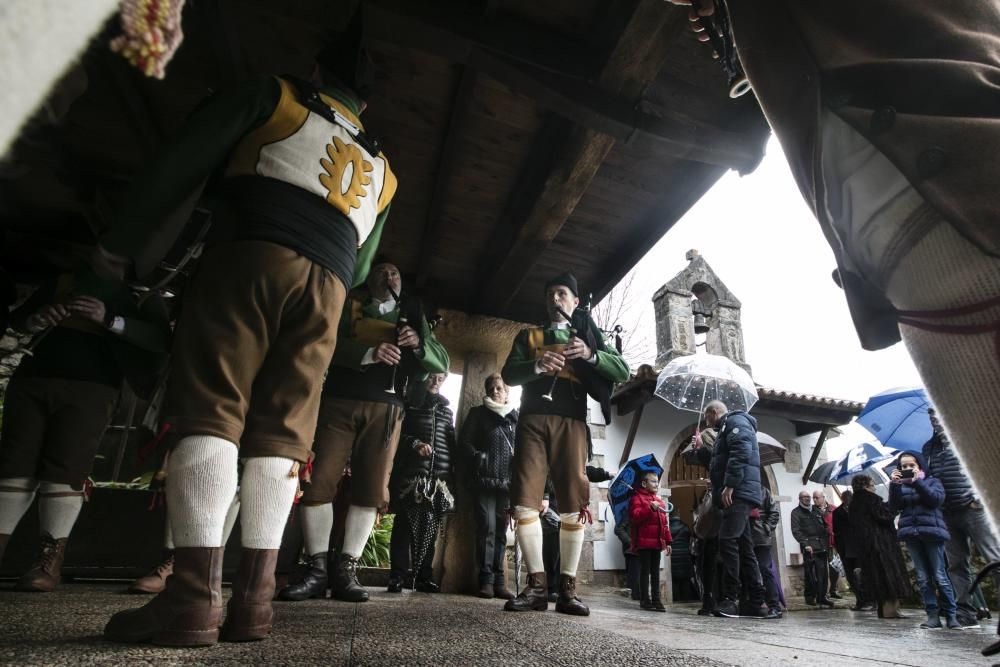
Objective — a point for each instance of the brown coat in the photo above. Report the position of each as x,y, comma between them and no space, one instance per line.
920,80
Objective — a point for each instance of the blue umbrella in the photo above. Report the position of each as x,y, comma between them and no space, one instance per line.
898,418
623,485
857,460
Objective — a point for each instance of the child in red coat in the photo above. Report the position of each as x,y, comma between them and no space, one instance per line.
650,530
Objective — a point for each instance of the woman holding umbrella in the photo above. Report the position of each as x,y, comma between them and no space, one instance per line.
883,573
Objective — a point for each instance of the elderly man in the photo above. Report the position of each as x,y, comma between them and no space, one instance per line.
810,531
359,423
735,475
308,196
825,509
552,364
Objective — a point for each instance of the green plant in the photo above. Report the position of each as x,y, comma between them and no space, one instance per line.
376,552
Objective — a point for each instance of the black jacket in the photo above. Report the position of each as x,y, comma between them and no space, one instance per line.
944,464
431,422
842,534
681,566
762,526
736,459
809,529
487,439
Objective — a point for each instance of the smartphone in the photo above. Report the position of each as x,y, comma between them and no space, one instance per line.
907,474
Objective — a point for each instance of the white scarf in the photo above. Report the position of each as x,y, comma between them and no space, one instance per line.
502,409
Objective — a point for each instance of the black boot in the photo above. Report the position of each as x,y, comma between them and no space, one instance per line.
314,582
568,602
344,584
534,597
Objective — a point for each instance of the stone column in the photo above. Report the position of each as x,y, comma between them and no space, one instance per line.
674,325
456,550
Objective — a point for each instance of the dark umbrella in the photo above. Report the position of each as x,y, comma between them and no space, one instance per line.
424,524
623,485
771,451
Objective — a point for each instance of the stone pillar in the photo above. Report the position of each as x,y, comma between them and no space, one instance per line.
674,325
456,550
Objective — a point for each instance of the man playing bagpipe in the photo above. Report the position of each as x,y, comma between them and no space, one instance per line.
383,346
558,366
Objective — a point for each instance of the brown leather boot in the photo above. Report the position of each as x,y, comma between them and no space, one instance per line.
568,602
43,577
249,613
534,597
486,591
156,580
186,613
500,591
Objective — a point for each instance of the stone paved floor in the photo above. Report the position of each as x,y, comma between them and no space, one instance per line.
63,628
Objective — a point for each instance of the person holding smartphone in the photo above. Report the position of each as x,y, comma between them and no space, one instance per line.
919,498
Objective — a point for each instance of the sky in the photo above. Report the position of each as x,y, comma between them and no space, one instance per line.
763,242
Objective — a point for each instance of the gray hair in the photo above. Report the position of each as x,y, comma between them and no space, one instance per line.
718,407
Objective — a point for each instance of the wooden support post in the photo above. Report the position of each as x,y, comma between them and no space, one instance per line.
815,454
632,430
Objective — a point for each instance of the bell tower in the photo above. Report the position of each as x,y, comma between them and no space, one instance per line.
696,303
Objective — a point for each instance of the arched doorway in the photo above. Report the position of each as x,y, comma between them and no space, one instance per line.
687,483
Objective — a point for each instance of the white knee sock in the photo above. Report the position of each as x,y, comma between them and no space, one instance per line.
14,503
570,543
529,536
168,537
201,483
357,529
267,493
960,372
231,516
317,524
58,507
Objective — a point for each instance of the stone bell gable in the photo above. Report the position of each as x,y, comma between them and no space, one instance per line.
696,301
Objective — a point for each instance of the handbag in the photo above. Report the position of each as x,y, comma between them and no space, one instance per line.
707,518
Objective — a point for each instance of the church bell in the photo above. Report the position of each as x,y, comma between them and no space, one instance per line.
700,324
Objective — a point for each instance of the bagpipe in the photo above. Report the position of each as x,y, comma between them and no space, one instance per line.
599,388
719,30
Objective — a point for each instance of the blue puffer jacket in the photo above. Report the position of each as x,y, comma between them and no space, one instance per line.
920,506
736,459
944,464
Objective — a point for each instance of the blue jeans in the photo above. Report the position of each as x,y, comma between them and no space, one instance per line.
929,563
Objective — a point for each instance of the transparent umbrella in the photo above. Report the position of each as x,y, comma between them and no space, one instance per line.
690,382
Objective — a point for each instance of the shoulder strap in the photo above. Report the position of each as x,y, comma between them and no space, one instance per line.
312,100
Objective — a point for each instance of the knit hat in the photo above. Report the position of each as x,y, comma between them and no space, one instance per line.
917,456
345,58
567,279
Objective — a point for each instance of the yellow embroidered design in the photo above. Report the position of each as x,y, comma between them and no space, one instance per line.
343,156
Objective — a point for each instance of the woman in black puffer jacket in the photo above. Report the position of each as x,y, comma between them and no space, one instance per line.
421,478
487,440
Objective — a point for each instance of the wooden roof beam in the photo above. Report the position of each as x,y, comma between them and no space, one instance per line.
443,174
634,60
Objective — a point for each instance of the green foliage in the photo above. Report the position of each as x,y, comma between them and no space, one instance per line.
376,553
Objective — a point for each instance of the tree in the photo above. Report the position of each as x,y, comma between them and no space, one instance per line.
623,307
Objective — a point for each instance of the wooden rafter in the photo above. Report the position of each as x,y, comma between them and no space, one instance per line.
443,173
634,60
